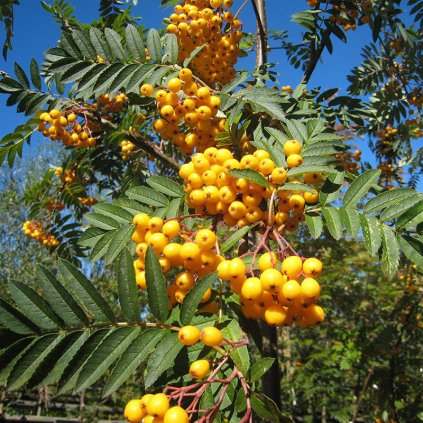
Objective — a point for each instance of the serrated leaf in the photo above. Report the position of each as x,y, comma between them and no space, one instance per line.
390,252
158,299
21,76
235,237
101,247
148,196
15,320
31,360
85,291
135,43
333,221
311,168
331,188
397,209
193,54
360,187
117,213
350,221
253,176
35,74
84,44
290,186
11,355
101,221
387,199
127,288
171,49
259,368
139,349
121,238
266,409
172,209
163,358
372,236
60,299
115,43
193,297
107,351
412,217
412,249
90,237
239,355
154,46
35,306
314,223
165,186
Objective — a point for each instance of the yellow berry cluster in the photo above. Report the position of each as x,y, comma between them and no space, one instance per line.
279,297
107,106
127,147
35,230
360,13
415,98
65,127
154,409
197,257
213,190
349,160
54,205
208,23
67,176
188,113
88,201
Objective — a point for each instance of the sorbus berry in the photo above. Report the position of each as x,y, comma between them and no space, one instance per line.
211,336
294,160
310,289
185,280
189,335
314,314
174,85
158,241
291,290
199,369
205,239
190,251
272,280
292,266
134,412
171,228
146,90
158,405
252,289
292,147
312,267
176,415
275,315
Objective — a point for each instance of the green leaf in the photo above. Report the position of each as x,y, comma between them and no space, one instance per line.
163,358
165,186
90,237
172,209
387,199
290,186
315,224
158,299
85,291
84,44
116,213
193,54
333,220
412,249
148,196
127,288
397,209
107,351
35,306
139,349
35,74
101,221
360,187
120,240
412,217
115,43
60,299
390,252
372,236
13,319
30,361
235,237
350,220
102,246
171,49
68,347
253,176
11,355
21,76
193,297
240,355
266,409
259,368
154,46
331,188
311,168
135,43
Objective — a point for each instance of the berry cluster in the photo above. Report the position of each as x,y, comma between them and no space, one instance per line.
209,23
277,295
127,147
88,201
67,176
197,257
35,230
108,107
54,205
188,113
349,160
213,190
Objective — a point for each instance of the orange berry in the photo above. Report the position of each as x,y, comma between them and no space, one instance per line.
312,267
199,369
292,147
176,415
292,266
189,335
252,289
275,315
174,85
272,280
158,405
134,412
211,336
291,290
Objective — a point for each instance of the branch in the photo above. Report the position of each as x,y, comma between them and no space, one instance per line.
260,12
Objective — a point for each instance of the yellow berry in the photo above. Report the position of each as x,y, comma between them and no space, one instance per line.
252,289
267,261
310,289
176,415
272,280
291,290
189,335
275,315
292,147
199,369
158,405
171,228
292,266
205,239
134,412
211,336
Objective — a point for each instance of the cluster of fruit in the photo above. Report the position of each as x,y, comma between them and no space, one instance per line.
127,147
415,98
107,107
65,127
349,160
208,23
188,113
35,230
54,205
213,190
67,176
87,201
358,12
197,257
154,409
277,296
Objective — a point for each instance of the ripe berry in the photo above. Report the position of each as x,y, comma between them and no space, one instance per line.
205,239
314,314
171,228
176,415
146,90
252,289
189,335
272,280
275,315
158,241
141,220
279,175
294,160
155,224
292,266
292,147
134,412
237,268
211,336
190,251
312,267
158,405
199,369
291,290
310,289
174,85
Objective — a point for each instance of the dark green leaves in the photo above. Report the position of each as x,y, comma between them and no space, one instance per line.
193,298
360,187
234,238
333,221
154,46
148,196
13,319
259,368
135,43
166,186
158,299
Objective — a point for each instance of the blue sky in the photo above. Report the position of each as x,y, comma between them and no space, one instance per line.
35,32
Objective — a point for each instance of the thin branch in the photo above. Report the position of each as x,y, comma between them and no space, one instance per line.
260,12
